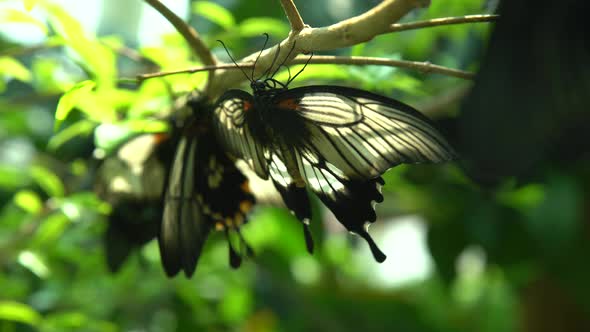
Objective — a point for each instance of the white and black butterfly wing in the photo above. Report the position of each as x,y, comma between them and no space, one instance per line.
294,196
235,134
351,200
364,134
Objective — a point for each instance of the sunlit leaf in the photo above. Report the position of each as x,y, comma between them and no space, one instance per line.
49,77
214,13
8,15
19,312
34,263
80,128
29,4
48,181
70,99
28,201
256,26
10,67
97,58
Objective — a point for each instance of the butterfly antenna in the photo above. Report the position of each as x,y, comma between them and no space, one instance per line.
259,54
288,71
285,60
302,69
274,60
234,61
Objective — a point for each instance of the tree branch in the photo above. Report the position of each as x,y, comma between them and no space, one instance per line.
189,34
293,15
349,32
443,21
424,67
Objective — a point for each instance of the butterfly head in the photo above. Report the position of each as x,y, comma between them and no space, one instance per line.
258,85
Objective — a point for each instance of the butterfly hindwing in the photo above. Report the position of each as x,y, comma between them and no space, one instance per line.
205,190
236,134
184,228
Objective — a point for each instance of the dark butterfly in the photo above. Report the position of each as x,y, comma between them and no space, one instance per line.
132,181
335,140
204,191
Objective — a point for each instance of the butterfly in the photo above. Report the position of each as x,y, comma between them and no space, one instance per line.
336,141
204,191
132,181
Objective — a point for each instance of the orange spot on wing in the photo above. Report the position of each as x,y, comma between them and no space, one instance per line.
245,186
247,106
245,206
161,137
289,104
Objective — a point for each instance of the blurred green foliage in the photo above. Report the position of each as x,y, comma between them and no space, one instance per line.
509,256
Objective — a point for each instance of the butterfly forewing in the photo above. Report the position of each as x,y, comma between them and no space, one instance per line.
365,134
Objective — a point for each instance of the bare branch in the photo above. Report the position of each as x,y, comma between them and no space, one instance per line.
293,15
230,66
425,67
342,34
443,21
188,33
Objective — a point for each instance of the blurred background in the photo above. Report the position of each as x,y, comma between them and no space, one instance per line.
494,242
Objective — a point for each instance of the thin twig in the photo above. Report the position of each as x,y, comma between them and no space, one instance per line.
424,67
443,21
144,77
293,15
188,33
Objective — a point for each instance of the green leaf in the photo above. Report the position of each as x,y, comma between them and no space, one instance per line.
258,25
28,201
50,230
48,181
12,68
214,13
19,312
88,200
12,177
83,127
8,15
70,99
